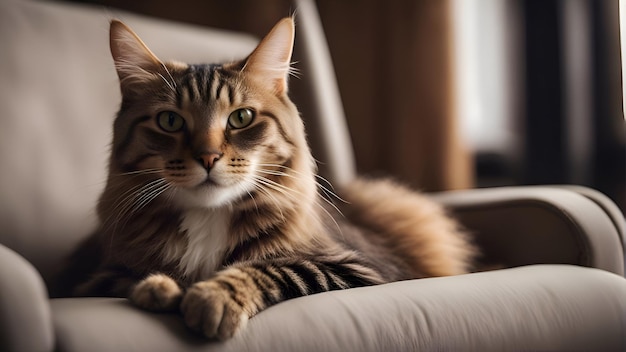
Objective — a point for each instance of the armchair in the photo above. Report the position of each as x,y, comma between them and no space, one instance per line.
561,288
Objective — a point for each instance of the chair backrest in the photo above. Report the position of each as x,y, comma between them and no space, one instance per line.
317,96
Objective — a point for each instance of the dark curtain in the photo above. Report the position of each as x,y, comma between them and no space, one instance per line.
552,153
394,63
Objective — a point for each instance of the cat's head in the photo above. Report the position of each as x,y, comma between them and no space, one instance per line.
208,135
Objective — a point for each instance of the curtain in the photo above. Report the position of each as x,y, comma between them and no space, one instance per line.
566,142
393,62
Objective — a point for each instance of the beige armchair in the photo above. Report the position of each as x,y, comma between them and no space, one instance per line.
562,287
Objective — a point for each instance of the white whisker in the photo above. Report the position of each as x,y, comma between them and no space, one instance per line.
133,200
256,206
294,71
173,82
166,82
324,189
149,196
268,194
299,175
140,172
286,191
282,189
123,202
330,191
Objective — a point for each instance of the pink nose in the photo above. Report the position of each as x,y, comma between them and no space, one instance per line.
208,159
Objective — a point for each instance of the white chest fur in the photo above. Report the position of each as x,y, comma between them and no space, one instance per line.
207,241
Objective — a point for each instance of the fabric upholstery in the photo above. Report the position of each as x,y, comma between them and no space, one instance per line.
531,225
535,308
317,97
58,95
25,318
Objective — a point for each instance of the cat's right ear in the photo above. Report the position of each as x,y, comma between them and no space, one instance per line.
270,61
134,62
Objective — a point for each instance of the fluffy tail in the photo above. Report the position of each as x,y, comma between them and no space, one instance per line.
416,228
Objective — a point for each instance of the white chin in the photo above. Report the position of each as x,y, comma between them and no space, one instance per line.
207,197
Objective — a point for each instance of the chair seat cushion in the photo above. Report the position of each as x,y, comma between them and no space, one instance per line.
539,307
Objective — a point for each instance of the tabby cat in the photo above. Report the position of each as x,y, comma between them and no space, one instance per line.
211,206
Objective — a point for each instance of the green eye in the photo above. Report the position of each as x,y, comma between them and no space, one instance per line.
241,118
170,121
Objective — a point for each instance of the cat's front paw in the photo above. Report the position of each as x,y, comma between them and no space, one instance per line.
157,292
211,309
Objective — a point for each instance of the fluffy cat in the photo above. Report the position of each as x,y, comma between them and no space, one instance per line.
211,206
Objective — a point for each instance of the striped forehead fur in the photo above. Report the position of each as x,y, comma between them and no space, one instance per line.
208,83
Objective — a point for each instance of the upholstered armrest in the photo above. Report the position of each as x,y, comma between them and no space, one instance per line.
532,225
25,321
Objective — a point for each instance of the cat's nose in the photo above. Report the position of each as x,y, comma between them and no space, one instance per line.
208,159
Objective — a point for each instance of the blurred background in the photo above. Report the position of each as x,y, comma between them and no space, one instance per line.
452,94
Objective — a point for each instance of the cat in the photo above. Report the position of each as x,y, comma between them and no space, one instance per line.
212,207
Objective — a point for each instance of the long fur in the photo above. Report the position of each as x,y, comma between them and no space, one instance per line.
223,239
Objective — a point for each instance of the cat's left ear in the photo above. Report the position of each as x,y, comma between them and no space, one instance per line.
271,59
134,62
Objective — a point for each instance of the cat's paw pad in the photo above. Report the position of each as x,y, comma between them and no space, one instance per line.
210,309
157,292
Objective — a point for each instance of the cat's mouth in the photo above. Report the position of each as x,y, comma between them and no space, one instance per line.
209,182
210,193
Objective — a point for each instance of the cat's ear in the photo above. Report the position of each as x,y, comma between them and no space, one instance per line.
134,62
271,59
